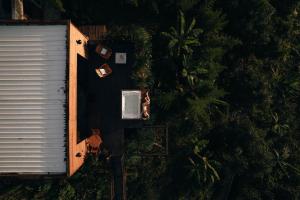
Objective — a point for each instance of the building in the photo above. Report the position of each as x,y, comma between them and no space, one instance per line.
38,98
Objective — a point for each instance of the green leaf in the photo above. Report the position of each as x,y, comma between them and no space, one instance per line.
184,72
192,25
182,22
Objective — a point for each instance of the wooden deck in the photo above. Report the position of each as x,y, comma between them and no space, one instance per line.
77,151
104,97
95,102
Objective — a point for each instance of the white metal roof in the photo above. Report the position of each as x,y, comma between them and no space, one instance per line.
32,98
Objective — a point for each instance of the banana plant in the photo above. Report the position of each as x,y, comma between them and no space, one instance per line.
202,170
279,127
182,40
285,166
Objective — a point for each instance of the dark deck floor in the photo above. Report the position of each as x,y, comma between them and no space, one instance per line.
99,100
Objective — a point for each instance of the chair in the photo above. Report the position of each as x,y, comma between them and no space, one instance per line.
103,71
94,142
103,51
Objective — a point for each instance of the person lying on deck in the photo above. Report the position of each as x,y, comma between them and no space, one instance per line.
145,107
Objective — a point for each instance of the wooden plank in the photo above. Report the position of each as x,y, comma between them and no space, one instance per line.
77,152
94,32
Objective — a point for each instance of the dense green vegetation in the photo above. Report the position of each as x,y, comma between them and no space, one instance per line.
226,79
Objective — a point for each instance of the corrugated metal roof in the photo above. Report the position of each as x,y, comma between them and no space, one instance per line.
32,98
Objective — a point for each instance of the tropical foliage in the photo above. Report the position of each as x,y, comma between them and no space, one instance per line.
225,77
